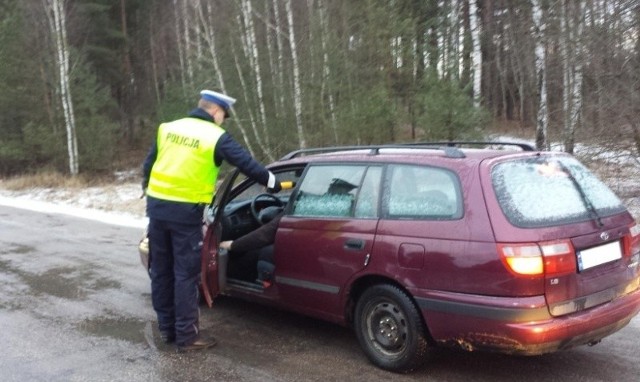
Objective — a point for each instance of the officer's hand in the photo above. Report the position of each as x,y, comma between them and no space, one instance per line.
276,188
225,244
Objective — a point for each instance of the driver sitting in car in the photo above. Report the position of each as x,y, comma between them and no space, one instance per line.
253,258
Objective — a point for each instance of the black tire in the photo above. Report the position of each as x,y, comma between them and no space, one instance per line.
390,329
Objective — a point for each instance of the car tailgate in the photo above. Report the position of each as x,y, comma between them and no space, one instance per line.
604,271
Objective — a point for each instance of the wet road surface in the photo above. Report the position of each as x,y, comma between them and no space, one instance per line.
75,306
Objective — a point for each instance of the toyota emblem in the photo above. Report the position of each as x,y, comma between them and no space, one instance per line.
604,236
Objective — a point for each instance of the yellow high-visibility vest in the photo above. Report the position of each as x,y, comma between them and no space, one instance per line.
184,170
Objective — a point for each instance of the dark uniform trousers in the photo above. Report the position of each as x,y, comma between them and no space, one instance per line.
175,273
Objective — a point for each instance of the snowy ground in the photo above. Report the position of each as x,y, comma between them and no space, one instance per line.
120,202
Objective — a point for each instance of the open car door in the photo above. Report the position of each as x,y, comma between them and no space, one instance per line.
213,273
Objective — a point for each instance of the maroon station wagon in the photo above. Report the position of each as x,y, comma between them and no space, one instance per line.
416,245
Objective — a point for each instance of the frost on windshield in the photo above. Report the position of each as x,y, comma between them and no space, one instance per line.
547,191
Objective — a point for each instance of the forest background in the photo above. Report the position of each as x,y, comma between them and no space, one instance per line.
84,83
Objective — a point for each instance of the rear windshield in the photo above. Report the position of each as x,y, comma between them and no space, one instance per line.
545,191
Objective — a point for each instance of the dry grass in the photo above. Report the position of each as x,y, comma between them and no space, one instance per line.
44,180
58,180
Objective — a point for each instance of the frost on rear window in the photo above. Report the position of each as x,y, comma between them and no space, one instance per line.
547,191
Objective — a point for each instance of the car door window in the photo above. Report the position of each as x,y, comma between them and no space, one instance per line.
254,188
329,191
420,192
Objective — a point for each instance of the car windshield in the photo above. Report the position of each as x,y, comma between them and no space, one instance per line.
546,191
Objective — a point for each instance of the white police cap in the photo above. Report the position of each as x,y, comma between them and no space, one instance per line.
220,99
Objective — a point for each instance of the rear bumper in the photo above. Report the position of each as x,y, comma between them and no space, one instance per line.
520,326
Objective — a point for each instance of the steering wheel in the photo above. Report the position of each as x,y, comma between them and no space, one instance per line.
270,198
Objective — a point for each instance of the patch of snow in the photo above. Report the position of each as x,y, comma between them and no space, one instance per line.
118,205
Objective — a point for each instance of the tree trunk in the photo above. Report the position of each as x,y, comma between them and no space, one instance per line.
280,50
634,93
490,77
576,91
186,25
520,74
297,90
154,60
467,46
324,24
127,88
209,37
476,62
503,108
274,67
571,45
47,100
254,60
181,49
59,29
542,114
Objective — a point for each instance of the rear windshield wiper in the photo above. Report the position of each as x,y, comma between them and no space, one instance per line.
585,199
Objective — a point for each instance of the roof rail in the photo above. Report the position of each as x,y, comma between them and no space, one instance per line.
450,148
522,146
452,152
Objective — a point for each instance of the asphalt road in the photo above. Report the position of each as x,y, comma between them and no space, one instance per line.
75,306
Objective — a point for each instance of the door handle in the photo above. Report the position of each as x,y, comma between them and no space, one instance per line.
355,244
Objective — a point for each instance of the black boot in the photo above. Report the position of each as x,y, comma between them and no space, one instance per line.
200,343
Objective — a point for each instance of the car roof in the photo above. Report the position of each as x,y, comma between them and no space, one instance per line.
407,152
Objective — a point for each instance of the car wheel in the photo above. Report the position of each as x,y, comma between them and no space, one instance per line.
389,328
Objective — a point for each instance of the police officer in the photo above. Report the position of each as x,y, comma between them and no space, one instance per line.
179,177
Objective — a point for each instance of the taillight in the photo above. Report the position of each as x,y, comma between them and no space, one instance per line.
536,259
522,259
633,241
559,258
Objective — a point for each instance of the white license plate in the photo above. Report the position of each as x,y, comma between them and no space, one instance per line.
595,256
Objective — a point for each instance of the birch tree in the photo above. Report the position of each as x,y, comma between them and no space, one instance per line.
206,23
476,56
572,23
297,90
55,10
542,115
280,52
449,63
326,71
272,53
182,50
635,97
250,45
